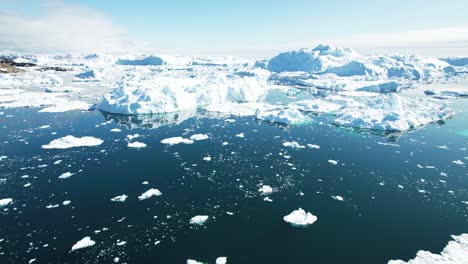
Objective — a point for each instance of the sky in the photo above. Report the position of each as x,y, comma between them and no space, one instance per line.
253,28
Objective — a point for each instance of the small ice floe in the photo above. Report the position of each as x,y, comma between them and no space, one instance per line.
312,146
136,145
121,243
300,218
465,202
221,260
199,219
241,135
132,137
57,162
27,185
3,157
83,243
198,137
43,127
265,190
66,202
66,175
268,199
116,130
456,252
149,193
293,144
442,147
51,206
207,158
71,142
5,202
145,183
121,198
284,116
338,198
116,260
191,261
459,162
176,140
334,162
31,261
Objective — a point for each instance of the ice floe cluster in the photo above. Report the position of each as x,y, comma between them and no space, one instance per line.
360,91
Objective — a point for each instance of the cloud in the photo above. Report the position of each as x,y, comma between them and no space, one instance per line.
61,28
449,41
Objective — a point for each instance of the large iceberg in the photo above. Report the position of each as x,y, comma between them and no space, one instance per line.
150,94
150,60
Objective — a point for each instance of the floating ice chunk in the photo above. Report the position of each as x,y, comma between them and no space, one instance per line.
5,202
333,162
149,193
300,218
67,202
66,175
221,260
392,113
208,158
283,116
121,243
199,219
136,144
52,206
338,198
132,137
241,135
71,142
446,94
88,75
312,146
198,137
459,162
121,198
43,127
3,157
456,252
293,144
176,140
83,243
116,130
265,190
191,261
268,199
315,106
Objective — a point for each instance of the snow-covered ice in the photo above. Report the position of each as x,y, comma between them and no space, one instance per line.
5,201
121,198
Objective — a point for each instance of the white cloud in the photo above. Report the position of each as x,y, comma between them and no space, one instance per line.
440,42
60,28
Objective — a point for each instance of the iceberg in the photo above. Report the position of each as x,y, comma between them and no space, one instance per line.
149,193
136,145
392,112
456,252
176,140
83,243
199,219
5,202
148,61
283,116
72,142
300,218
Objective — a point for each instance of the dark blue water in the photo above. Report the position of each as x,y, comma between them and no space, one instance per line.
378,220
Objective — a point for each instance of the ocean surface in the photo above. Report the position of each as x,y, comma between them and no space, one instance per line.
401,192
